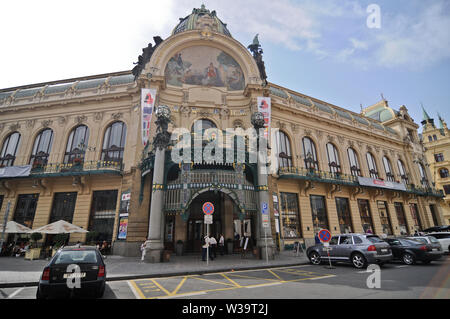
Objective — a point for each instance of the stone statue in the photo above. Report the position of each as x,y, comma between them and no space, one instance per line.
145,56
257,51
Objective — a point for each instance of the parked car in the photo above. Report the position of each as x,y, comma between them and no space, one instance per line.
411,250
443,238
435,244
358,249
56,275
437,228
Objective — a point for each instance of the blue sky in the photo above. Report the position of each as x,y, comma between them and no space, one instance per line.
323,49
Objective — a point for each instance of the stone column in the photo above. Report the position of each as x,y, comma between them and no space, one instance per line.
155,240
263,234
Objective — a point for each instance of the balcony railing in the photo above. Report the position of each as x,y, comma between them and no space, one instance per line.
82,167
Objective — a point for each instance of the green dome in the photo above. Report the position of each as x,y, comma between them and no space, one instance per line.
201,19
381,114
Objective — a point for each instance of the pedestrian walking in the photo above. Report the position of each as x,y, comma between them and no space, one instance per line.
143,250
221,244
316,238
213,242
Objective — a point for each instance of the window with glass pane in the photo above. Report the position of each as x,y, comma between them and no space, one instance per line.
77,144
290,215
366,219
9,149
26,209
114,142
63,207
433,214
354,163
384,217
402,171
343,211
319,213
423,175
401,218
103,213
203,124
443,172
439,157
333,159
388,169
309,153
416,217
373,171
41,148
284,150
447,189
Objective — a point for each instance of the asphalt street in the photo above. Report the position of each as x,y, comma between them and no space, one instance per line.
294,282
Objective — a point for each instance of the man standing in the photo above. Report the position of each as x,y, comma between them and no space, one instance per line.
205,245
221,244
213,242
143,251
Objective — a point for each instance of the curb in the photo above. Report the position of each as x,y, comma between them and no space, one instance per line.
160,275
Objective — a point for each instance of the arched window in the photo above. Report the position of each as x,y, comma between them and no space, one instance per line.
423,175
388,169
333,159
373,171
9,149
77,144
202,124
114,142
42,147
443,172
430,139
284,150
434,137
310,154
354,164
402,171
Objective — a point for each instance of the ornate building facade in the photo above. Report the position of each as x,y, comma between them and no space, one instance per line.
79,144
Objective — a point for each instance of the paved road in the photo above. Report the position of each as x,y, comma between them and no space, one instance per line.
306,281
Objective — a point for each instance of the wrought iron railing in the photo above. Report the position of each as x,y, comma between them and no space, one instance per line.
87,166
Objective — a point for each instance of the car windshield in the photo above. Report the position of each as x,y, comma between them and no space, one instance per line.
375,239
422,240
76,257
407,242
433,239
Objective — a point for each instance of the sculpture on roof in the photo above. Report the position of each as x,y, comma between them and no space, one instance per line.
145,57
257,51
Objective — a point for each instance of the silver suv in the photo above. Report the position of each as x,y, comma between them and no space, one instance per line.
358,249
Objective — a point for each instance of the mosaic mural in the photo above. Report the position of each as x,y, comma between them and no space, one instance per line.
202,65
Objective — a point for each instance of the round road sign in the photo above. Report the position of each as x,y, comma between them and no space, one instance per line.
208,208
324,235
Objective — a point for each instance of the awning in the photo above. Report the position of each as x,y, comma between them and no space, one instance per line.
15,171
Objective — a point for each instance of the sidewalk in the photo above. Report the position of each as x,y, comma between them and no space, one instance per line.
18,272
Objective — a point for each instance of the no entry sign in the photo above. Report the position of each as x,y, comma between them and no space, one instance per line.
324,235
208,208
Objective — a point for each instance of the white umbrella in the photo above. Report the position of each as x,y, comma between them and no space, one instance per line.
59,227
14,228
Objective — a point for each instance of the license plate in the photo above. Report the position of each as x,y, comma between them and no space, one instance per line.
384,250
435,249
75,275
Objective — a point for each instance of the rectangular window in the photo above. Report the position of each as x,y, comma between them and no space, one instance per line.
384,217
63,207
343,211
103,213
366,219
434,214
447,189
25,209
290,215
416,217
401,218
439,157
319,213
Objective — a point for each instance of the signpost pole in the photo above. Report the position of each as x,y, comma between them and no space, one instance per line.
267,253
207,246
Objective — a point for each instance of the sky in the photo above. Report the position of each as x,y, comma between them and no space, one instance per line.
344,52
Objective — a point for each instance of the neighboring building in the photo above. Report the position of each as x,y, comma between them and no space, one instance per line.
339,170
437,150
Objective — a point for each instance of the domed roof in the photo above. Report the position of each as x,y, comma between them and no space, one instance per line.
202,19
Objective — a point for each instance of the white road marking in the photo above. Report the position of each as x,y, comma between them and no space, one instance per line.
133,290
15,293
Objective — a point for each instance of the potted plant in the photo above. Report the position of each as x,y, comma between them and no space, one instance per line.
34,253
230,246
179,248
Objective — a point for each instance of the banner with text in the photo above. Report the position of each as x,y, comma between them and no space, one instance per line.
148,97
264,106
379,183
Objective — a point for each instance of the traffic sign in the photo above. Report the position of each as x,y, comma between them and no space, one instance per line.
324,235
208,219
208,208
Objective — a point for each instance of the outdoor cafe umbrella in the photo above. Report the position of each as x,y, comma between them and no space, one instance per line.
15,228
59,227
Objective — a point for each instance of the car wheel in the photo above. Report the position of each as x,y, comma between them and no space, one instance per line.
314,258
359,261
408,259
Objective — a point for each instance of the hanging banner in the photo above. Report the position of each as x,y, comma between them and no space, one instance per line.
264,106
148,97
379,183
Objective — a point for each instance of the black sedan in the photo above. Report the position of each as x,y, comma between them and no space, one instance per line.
73,271
409,251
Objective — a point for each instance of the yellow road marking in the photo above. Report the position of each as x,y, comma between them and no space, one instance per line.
232,281
161,287
137,289
216,282
250,277
179,286
275,274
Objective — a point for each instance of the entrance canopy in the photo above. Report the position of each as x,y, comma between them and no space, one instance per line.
15,228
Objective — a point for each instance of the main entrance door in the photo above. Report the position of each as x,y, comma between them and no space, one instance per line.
196,228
